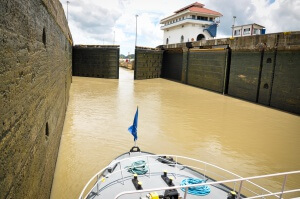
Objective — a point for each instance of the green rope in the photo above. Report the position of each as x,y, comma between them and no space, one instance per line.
138,167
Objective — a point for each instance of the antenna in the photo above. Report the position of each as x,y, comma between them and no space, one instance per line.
136,16
234,17
114,37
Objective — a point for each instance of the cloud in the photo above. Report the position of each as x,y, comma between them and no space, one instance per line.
98,22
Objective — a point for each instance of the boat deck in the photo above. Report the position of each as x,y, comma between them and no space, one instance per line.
120,179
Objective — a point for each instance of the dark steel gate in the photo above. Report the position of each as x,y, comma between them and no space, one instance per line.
172,64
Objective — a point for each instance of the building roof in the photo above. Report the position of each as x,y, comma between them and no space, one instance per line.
194,8
198,7
205,11
196,4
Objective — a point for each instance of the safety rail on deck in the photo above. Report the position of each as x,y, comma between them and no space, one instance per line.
241,180
175,163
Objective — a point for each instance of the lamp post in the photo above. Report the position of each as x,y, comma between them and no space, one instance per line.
68,11
136,16
234,17
114,38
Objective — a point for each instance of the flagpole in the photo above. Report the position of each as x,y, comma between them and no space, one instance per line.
136,129
133,129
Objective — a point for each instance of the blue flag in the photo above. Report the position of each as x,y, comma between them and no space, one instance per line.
133,128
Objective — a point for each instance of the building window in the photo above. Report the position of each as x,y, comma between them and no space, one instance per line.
246,31
211,19
198,17
193,16
237,32
182,39
256,31
167,41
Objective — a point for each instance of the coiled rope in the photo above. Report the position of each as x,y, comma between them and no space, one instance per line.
138,167
199,190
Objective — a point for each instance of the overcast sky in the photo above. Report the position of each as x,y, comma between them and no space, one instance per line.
97,21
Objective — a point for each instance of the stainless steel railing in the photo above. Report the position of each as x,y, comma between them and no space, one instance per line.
236,179
241,180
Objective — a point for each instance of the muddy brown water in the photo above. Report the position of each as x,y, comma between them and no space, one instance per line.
174,118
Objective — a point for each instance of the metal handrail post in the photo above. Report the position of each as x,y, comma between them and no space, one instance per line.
283,185
240,189
97,185
149,167
176,167
121,173
185,193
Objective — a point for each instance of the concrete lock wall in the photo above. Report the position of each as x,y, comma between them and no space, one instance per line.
244,73
266,77
35,77
148,63
96,61
206,68
263,69
286,83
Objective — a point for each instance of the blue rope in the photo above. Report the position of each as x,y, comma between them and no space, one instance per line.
139,167
199,190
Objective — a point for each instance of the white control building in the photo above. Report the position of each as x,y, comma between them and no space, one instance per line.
191,23
248,30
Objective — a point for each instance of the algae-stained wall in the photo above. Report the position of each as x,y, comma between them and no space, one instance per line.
244,73
206,68
286,83
35,77
148,63
96,61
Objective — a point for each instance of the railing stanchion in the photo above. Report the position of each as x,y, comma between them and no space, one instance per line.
97,185
234,186
121,173
149,167
185,193
241,184
283,185
176,167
